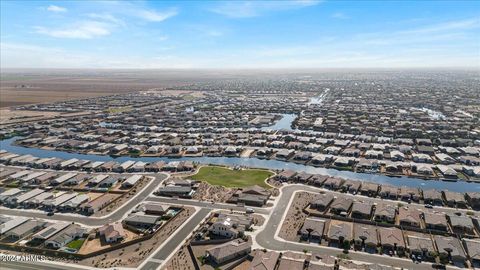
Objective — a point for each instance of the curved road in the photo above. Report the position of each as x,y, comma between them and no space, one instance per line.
266,238
95,221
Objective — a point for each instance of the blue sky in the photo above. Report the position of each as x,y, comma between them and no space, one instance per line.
237,34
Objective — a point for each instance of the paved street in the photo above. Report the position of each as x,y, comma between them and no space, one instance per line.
208,205
267,240
94,221
36,266
177,239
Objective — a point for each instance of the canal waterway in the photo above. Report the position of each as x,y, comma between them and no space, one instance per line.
9,145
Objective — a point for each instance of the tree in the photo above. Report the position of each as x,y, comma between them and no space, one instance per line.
346,246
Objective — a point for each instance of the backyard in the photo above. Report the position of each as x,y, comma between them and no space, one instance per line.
226,177
76,244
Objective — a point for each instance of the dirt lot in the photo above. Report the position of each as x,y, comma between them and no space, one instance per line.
96,244
8,116
206,192
295,216
181,260
132,256
93,195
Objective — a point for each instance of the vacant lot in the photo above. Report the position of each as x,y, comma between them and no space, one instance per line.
232,178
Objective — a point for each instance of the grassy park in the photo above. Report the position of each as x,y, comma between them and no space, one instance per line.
227,177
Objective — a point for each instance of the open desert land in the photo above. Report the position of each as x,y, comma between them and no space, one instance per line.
25,88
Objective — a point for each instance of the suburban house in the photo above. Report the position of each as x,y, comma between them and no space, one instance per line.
98,203
19,199
312,229
339,231
131,181
433,197
450,248
473,199
112,233
64,237
455,199
55,202
229,251
391,239
176,191
12,192
461,224
142,221
285,175
435,221
37,200
365,236
25,229
153,208
389,192
420,245
409,217
49,231
254,196
473,249
230,225
409,194
369,189
264,260
292,261
341,206
74,204
333,183
322,201
385,212
362,210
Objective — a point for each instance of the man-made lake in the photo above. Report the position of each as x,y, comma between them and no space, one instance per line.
255,162
285,123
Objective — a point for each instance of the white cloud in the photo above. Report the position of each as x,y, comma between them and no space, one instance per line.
340,15
106,17
82,30
156,16
54,8
248,9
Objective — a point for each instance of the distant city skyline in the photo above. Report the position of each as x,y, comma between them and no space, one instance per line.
239,34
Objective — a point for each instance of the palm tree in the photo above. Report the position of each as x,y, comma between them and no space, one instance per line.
363,238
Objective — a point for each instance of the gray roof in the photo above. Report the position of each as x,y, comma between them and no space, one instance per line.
451,243
460,221
473,248
140,218
26,227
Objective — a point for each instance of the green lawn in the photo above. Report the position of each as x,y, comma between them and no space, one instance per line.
76,244
221,176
